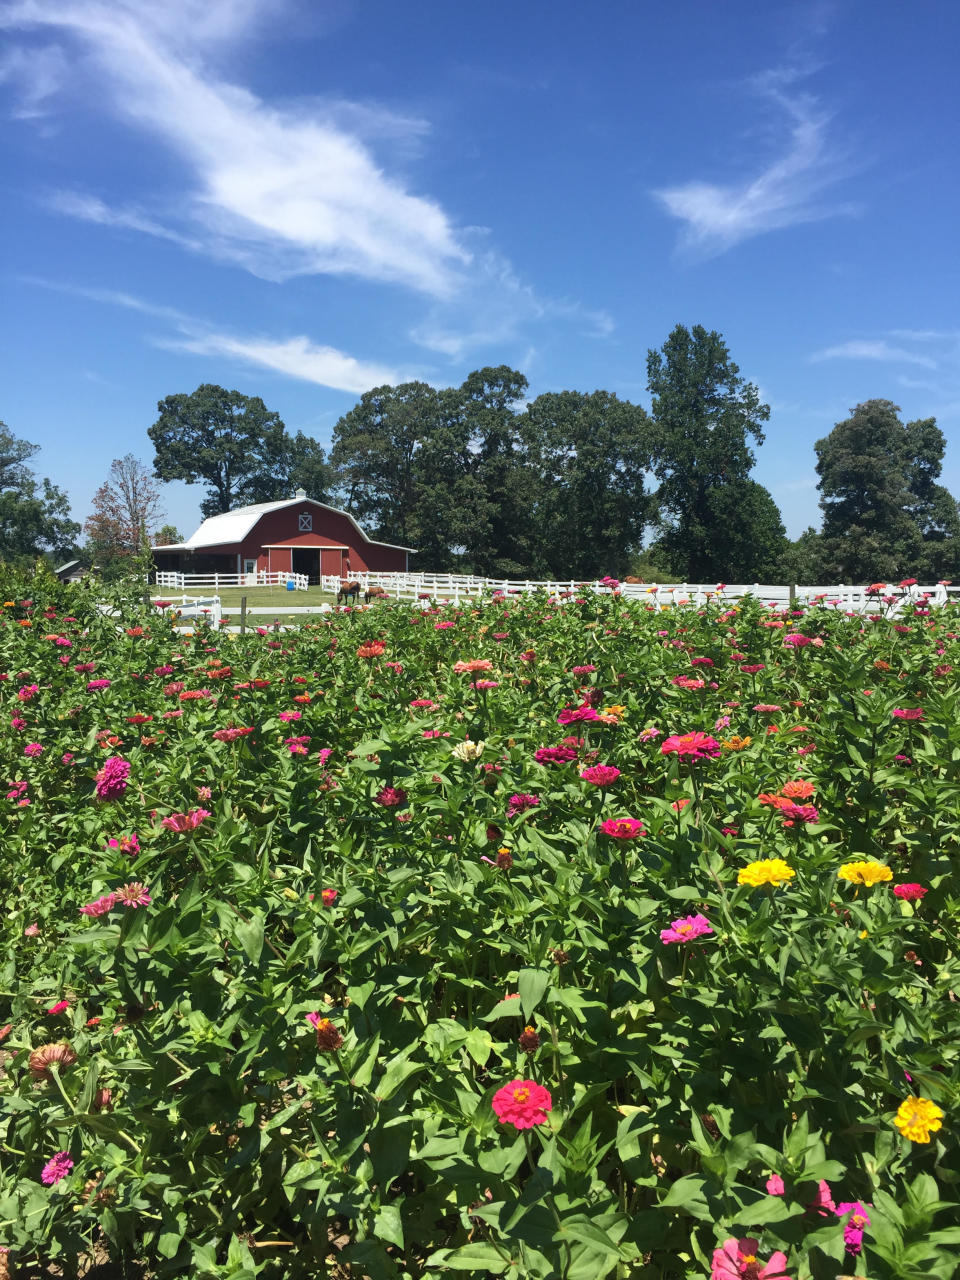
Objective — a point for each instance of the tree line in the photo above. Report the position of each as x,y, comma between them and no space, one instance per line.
568,485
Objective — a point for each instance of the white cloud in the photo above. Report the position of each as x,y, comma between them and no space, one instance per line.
297,357
283,191
874,349
36,76
787,190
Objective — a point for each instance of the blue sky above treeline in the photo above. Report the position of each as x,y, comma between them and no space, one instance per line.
302,201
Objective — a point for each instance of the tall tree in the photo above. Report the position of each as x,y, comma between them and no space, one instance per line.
703,412
167,535
884,515
231,442
587,455
34,514
375,449
127,503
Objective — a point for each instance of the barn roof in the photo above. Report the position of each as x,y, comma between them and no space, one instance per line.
233,526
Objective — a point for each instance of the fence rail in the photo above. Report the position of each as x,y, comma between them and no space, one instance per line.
197,581
456,587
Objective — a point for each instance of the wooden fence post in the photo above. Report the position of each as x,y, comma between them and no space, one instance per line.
243,615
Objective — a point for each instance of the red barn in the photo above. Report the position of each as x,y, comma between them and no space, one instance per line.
297,535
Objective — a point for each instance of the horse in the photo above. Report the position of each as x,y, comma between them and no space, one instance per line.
374,593
346,590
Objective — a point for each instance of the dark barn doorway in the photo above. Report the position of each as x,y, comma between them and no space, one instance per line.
307,560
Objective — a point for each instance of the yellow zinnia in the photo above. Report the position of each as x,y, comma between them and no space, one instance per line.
867,873
917,1118
736,743
772,871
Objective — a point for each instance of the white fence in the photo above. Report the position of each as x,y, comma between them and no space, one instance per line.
454,587
217,581
205,608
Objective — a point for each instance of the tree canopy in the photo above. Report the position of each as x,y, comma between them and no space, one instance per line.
126,507
704,412
884,514
34,514
231,442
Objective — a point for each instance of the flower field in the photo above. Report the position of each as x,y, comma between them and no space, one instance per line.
539,939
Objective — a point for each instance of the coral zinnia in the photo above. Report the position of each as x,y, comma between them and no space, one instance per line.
867,873
522,1103
917,1118
45,1056
772,871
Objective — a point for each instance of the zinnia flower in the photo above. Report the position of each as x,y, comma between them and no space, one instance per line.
45,1056
329,1038
910,892
328,897
600,775
571,715
908,713
133,895
99,908
866,873
182,822
686,929
521,802
522,1103
391,797
917,1118
737,1260
112,778
772,871
799,813
853,1227
800,789
775,1185
371,649
691,746
56,1168
554,755
474,665
623,828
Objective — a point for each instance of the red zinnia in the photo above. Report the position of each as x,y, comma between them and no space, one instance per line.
623,828
522,1103
910,892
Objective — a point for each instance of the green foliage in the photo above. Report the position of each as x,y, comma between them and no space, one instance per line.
703,413
884,515
34,514
231,442
236,1141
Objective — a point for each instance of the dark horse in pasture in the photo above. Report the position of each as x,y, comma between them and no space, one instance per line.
348,590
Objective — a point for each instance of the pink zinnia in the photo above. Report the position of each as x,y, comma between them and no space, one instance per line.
800,812
910,892
692,746
60,1007
570,715
33,749
289,715
328,897
94,685
908,713
737,1260
796,640
554,755
56,1168
182,822
623,828
99,908
775,1185
133,895
600,775
521,802
112,778
522,1103
686,929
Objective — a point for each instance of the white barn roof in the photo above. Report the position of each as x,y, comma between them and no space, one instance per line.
234,526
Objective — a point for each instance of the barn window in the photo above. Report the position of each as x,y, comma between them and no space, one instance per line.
306,522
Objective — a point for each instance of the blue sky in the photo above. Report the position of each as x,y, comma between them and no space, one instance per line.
302,200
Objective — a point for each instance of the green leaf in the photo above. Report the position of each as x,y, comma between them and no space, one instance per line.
388,1225
249,934
471,1257
533,985
479,1045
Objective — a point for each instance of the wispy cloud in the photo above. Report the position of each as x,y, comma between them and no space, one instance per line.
787,189
296,357
36,76
874,349
281,190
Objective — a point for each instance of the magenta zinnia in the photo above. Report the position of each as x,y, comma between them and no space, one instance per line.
600,775
112,778
56,1168
737,1260
691,746
522,1103
686,929
623,828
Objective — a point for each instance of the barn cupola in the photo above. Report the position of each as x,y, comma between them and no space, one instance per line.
300,494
